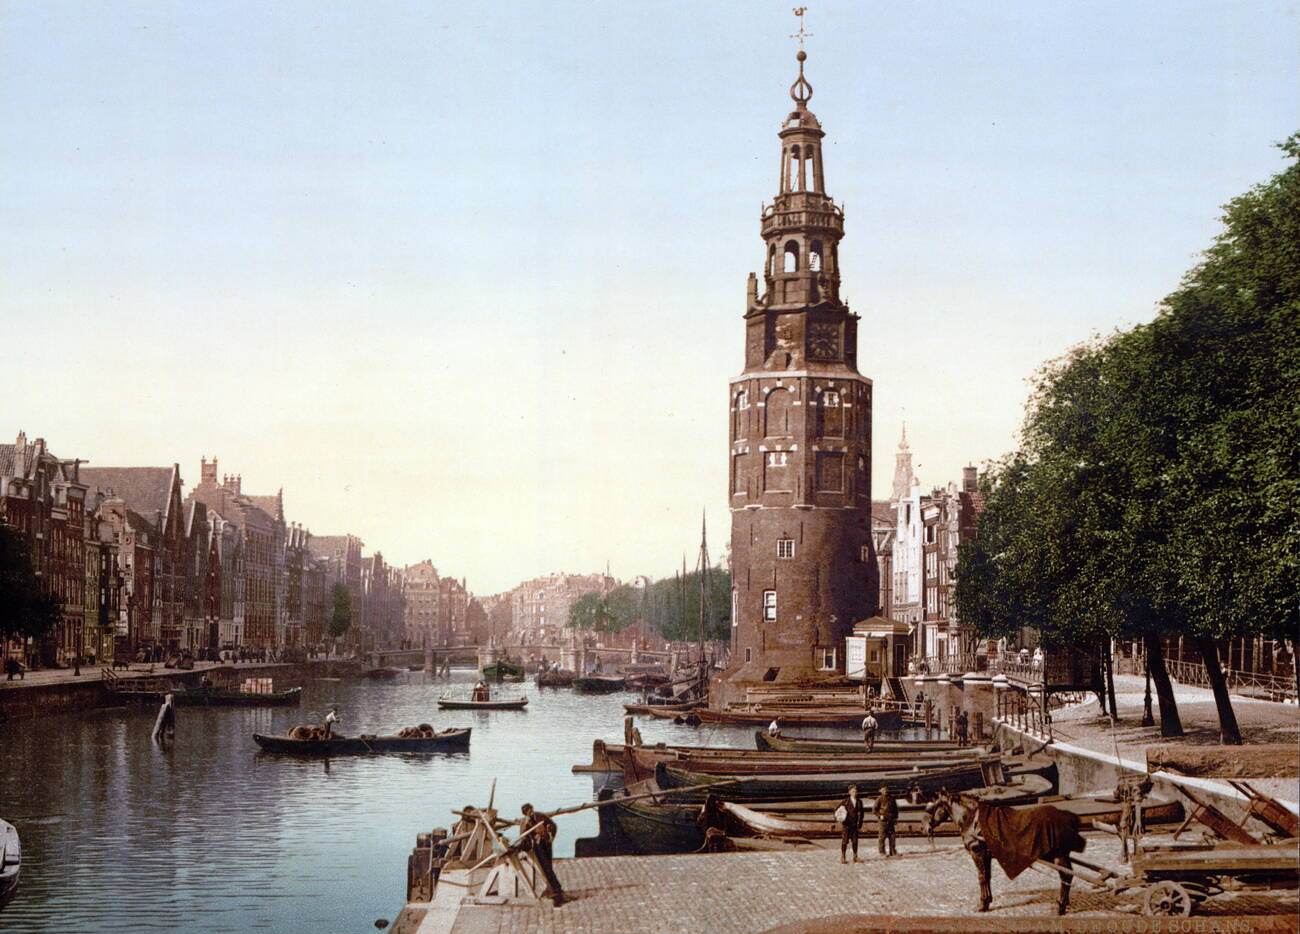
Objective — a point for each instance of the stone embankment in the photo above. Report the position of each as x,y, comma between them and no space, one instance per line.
47,693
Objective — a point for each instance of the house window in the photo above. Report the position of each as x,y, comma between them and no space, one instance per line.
785,547
826,660
749,654
777,458
769,605
929,535
865,554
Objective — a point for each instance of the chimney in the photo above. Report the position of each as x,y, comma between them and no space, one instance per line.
969,479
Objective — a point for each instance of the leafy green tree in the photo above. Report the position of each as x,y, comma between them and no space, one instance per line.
340,611
1155,491
26,612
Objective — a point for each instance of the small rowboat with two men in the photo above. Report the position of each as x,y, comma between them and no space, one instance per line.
452,740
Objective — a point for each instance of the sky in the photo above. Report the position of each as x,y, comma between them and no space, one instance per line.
467,280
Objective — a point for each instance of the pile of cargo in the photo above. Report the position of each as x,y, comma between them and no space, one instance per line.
258,686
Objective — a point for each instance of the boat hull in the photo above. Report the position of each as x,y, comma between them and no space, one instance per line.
812,716
501,669
447,741
599,685
791,787
236,698
767,743
11,861
450,704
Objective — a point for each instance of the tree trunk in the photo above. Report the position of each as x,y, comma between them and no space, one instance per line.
1295,666
1109,661
1229,733
1170,724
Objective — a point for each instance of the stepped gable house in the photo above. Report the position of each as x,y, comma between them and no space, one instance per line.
804,564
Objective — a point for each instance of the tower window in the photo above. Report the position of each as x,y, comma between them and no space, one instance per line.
769,605
865,555
815,256
785,547
791,256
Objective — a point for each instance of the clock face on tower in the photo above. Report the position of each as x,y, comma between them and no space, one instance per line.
823,341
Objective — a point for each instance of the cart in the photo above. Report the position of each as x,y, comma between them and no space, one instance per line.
1173,880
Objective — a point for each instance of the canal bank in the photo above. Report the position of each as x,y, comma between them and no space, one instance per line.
67,694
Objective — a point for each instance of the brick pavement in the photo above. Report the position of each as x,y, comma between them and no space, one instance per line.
753,892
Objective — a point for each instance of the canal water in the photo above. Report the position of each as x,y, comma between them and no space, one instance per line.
211,835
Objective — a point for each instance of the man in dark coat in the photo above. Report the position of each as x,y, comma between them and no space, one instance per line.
886,810
850,814
963,729
538,842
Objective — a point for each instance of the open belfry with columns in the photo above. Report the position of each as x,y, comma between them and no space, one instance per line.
803,562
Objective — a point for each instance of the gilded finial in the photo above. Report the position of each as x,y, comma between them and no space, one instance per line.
801,91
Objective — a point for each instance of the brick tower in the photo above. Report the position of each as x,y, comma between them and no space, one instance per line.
803,563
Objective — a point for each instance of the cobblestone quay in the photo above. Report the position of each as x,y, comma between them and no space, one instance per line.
920,890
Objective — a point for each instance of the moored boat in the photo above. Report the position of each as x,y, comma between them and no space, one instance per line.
748,762
599,684
507,703
215,698
555,678
767,742
791,786
450,740
500,669
801,716
383,674
665,711
11,861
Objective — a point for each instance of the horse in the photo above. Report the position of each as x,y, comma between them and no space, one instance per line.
1016,839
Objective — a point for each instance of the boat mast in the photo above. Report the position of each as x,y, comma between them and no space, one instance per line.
704,574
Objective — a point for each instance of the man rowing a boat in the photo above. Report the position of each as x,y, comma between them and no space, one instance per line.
331,718
869,727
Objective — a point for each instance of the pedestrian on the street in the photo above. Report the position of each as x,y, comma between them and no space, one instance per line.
538,842
886,810
13,667
869,727
850,814
963,729
331,718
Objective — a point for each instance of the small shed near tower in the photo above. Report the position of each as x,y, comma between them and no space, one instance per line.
877,650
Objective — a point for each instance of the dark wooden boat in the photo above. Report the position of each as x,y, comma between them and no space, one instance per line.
599,684
11,861
769,743
790,786
445,741
501,669
383,674
214,698
747,762
816,819
512,703
415,668
555,678
801,716
664,711
658,826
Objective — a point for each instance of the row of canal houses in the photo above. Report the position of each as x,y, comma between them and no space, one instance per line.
136,564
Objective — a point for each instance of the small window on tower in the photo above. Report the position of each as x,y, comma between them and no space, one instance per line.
792,257
785,547
815,256
769,605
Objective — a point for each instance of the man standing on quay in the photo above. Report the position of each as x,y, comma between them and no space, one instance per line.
539,843
886,810
850,814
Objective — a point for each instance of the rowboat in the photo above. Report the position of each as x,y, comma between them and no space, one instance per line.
792,716
383,674
555,678
513,703
599,684
501,669
789,786
747,762
446,741
11,861
658,825
663,711
215,698
767,742
816,819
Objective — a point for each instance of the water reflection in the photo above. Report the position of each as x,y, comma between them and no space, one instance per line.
209,834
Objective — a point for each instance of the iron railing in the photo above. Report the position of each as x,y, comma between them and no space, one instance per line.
1274,687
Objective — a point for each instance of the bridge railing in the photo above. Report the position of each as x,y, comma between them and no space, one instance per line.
1274,687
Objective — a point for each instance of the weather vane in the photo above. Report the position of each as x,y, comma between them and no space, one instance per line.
799,11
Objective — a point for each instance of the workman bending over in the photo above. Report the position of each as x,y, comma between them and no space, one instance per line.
538,842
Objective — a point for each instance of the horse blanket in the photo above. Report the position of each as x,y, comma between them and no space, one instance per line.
1017,837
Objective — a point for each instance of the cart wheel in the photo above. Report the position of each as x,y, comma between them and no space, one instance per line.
1168,898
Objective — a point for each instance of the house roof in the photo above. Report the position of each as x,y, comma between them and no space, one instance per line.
147,490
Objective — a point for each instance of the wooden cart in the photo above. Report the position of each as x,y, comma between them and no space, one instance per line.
1174,880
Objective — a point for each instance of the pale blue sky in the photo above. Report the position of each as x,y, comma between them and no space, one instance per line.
467,279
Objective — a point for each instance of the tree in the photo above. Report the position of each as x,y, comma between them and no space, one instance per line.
1154,490
611,612
340,611
26,612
